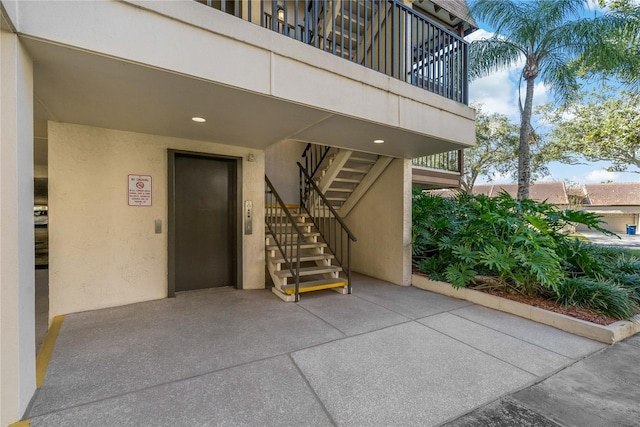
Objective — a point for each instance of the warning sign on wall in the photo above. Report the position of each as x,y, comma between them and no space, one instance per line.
139,190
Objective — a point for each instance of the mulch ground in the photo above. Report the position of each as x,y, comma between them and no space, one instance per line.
546,304
540,302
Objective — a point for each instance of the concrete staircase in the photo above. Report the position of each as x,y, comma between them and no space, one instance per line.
318,269
345,176
308,247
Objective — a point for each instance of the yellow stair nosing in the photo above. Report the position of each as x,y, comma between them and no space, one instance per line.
338,284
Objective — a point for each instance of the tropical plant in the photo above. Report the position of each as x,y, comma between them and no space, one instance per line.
599,296
544,34
522,246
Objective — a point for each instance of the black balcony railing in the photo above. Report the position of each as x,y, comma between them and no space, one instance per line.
384,35
449,161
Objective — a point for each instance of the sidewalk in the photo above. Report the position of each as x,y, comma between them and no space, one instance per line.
386,355
601,390
624,241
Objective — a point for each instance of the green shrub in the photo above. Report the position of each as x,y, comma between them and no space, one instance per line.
522,244
599,296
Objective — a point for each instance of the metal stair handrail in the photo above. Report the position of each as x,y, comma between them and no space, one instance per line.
327,220
313,156
278,214
387,36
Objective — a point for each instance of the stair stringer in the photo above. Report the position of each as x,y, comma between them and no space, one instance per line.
366,183
330,174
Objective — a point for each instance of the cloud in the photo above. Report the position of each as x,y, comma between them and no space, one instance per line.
495,91
593,5
540,94
600,175
496,94
499,92
479,35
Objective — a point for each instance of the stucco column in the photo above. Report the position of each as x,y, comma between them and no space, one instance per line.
381,221
17,323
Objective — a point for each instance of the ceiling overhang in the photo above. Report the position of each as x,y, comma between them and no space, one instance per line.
80,87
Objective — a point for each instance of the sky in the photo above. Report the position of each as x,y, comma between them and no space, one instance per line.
499,93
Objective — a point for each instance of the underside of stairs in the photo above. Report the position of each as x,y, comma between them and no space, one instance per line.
345,176
318,269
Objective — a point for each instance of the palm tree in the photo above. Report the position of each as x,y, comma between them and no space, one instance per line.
547,35
618,54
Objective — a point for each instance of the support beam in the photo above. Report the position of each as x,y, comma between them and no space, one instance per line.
336,166
17,276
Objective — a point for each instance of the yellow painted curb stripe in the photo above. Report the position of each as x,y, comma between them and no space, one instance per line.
42,361
25,423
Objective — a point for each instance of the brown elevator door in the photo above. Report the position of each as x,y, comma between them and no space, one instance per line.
204,222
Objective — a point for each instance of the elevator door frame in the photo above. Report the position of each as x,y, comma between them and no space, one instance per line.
171,162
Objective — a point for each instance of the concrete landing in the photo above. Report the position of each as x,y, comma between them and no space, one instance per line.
385,355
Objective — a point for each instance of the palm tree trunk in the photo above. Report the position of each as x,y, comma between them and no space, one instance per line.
524,159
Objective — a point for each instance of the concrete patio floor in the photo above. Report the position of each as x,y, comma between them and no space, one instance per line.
383,356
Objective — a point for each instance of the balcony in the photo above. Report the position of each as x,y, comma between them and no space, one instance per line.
383,35
442,170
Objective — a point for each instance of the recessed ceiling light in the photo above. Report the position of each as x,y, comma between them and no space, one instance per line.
198,119
378,141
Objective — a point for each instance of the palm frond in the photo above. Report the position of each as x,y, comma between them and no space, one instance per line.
506,17
493,54
555,12
574,38
559,75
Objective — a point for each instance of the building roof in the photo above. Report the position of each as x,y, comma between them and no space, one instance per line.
613,194
552,192
485,189
577,195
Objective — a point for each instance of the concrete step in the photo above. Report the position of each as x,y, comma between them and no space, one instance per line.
289,225
309,245
314,285
305,234
277,206
353,170
340,190
308,271
283,219
278,259
349,180
362,160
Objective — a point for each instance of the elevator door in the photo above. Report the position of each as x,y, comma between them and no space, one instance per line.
205,210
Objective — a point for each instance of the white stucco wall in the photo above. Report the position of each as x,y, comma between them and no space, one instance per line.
104,253
381,221
615,222
282,170
263,62
17,293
